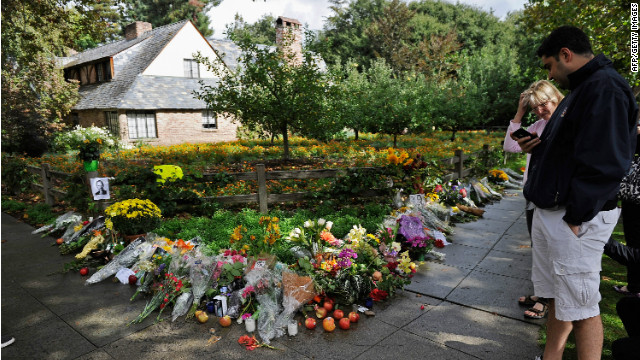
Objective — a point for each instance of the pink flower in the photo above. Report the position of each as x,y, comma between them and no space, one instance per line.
438,188
247,291
237,258
245,316
463,191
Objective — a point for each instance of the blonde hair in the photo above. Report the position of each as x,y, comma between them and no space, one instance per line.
540,92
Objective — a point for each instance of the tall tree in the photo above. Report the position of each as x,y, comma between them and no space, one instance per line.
262,31
343,36
35,97
271,92
390,35
163,12
606,23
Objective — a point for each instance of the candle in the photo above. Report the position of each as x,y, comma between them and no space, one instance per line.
250,324
293,328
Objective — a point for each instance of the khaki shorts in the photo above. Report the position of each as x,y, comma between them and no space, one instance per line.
567,267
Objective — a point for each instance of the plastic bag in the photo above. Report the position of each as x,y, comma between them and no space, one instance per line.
297,291
183,302
485,182
61,222
512,173
267,284
96,224
234,304
126,258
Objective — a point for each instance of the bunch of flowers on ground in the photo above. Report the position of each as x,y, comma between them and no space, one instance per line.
133,216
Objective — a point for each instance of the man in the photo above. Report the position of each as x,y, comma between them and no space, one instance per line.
574,175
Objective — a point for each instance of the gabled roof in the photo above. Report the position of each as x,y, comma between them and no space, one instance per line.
128,90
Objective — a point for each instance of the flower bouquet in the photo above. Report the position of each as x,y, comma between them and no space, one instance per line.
167,292
133,216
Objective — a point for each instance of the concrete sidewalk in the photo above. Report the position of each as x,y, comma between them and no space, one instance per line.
471,309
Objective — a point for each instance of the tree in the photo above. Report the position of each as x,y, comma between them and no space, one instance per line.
262,31
163,12
270,92
606,23
35,96
350,105
390,36
343,36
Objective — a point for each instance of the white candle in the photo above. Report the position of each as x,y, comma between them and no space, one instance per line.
250,324
293,328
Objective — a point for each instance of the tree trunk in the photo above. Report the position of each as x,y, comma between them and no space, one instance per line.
395,142
285,143
355,131
453,135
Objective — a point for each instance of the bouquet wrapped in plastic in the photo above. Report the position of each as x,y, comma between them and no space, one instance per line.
296,291
96,224
267,284
201,271
125,258
183,302
63,221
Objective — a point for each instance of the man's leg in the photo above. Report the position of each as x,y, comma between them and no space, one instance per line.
557,334
589,338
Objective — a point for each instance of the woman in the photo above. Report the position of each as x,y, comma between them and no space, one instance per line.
543,99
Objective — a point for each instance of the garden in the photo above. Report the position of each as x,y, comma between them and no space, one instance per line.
323,261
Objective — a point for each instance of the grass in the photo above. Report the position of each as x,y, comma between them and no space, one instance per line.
612,274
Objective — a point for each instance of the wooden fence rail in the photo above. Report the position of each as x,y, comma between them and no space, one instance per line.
263,198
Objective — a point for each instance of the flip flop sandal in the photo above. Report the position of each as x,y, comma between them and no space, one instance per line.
528,301
537,314
621,290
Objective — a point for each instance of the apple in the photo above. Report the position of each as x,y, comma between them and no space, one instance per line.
354,317
203,317
328,305
310,323
329,324
321,312
344,324
338,314
59,241
84,271
133,279
225,321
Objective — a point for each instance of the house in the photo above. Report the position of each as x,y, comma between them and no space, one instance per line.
141,87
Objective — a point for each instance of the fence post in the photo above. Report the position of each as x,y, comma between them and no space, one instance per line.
460,164
46,184
262,188
485,152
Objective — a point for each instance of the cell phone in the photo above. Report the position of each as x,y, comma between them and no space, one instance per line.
520,133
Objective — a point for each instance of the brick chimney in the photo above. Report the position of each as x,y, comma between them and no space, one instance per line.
136,29
289,33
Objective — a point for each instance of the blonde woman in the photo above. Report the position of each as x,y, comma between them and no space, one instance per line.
543,99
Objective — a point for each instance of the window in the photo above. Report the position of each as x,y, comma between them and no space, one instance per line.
112,122
75,119
141,125
191,68
209,120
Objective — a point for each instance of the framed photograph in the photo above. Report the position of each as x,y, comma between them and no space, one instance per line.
100,188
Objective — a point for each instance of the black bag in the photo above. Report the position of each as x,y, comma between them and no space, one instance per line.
630,185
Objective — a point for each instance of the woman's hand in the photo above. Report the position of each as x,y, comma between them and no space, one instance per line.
527,143
522,109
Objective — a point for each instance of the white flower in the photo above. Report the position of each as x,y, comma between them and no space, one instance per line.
321,221
329,225
297,231
395,246
308,224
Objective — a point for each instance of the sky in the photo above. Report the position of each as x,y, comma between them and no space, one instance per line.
314,12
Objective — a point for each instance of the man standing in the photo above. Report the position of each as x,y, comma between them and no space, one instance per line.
574,175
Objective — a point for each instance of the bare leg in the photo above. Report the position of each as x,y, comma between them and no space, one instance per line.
557,334
589,338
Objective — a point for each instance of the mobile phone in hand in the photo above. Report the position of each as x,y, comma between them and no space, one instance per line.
520,133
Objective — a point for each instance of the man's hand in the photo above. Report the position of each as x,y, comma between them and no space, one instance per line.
526,143
574,228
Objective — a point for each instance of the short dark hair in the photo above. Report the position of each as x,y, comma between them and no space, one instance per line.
570,37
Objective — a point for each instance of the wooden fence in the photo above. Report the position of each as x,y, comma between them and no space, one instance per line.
263,198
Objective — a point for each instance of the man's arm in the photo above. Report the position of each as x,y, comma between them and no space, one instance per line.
622,253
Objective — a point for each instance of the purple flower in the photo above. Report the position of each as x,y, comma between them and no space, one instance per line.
245,316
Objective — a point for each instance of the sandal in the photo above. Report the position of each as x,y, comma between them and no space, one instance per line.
624,290
537,314
528,300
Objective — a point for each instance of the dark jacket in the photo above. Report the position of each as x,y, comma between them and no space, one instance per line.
587,146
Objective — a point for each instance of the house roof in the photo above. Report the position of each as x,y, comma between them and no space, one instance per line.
128,90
